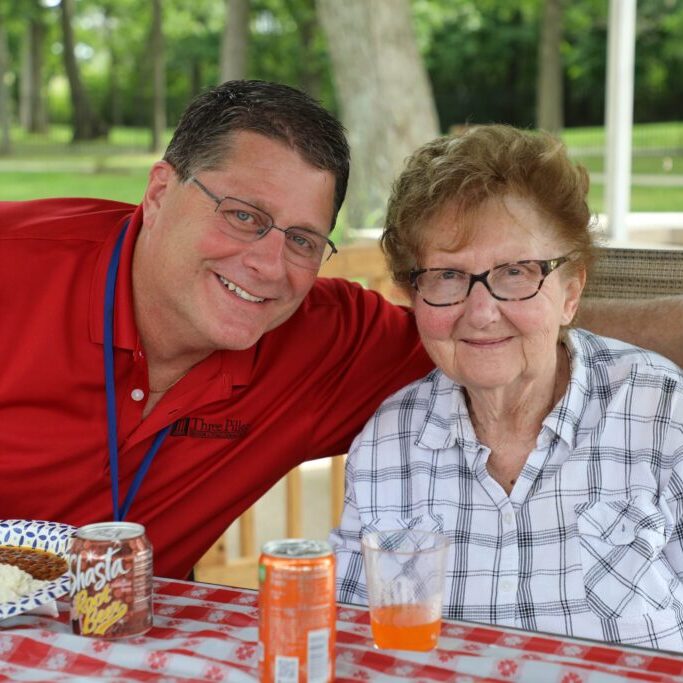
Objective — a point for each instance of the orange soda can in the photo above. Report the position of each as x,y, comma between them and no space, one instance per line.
297,611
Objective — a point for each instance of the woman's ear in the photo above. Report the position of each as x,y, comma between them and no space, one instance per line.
574,285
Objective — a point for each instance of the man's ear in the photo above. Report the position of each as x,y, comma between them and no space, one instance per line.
161,178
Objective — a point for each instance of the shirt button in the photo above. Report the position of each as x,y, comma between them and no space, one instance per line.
506,586
507,518
137,394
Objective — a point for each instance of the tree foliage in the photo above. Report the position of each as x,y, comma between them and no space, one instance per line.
482,59
481,56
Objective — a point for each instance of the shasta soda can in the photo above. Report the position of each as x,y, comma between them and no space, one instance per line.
297,612
110,566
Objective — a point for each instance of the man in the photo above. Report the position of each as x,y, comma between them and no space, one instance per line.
167,364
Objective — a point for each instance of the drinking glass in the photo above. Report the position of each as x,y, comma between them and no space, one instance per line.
404,570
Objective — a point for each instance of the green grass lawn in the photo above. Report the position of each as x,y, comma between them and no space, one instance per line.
50,166
57,141
126,186
653,147
125,149
642,198
664,165
116,168
645,135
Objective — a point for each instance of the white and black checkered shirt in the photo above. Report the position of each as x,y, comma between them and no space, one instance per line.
590,540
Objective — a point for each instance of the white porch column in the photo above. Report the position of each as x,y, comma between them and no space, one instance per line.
619,115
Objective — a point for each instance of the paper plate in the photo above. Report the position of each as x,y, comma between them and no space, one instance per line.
51,536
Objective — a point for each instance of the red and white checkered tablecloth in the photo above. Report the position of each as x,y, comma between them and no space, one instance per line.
208,633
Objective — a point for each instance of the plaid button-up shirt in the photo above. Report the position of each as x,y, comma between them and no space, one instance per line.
590,540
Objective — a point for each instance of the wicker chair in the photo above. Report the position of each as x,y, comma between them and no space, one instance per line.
623,273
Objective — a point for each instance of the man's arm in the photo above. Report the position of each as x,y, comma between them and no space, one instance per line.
655,324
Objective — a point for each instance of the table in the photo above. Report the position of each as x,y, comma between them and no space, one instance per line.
204,632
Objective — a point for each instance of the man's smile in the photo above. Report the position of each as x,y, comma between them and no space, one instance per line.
241,293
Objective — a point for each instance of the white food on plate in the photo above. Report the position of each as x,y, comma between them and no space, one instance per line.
15,582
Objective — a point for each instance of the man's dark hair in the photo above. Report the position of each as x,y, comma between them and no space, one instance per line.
202,139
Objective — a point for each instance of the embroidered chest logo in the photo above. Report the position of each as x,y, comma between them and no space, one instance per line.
198,428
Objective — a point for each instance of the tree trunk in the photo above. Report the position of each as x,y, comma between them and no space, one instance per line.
25,85
158,78
32,108
235,40
195,77
309,69
85,124
549,83
38,108
5,115
385,97
114,94
115,99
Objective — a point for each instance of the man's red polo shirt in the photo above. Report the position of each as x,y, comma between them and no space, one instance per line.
241,419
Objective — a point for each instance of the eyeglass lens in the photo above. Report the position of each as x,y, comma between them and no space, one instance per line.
510,281
248,224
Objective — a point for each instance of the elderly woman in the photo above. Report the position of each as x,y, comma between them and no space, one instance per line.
551,458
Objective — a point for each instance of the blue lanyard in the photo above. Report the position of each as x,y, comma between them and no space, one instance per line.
112,436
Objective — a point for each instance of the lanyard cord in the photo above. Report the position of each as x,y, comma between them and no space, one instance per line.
112,436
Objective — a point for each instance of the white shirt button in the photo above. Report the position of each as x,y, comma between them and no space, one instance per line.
507,586
137,394
507,518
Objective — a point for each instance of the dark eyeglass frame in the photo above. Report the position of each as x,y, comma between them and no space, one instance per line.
547,266
271,225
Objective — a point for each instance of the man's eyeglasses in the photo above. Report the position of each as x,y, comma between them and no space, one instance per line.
516,281
247,223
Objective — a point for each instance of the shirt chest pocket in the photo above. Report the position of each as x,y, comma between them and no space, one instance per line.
430,522
621,543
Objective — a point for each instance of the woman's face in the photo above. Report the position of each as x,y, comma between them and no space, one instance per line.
484,343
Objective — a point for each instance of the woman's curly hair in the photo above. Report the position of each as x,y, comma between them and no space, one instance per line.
463,172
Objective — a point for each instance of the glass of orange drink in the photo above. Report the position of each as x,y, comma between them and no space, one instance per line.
404,570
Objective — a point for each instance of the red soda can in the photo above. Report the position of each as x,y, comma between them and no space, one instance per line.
297,611
110,566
